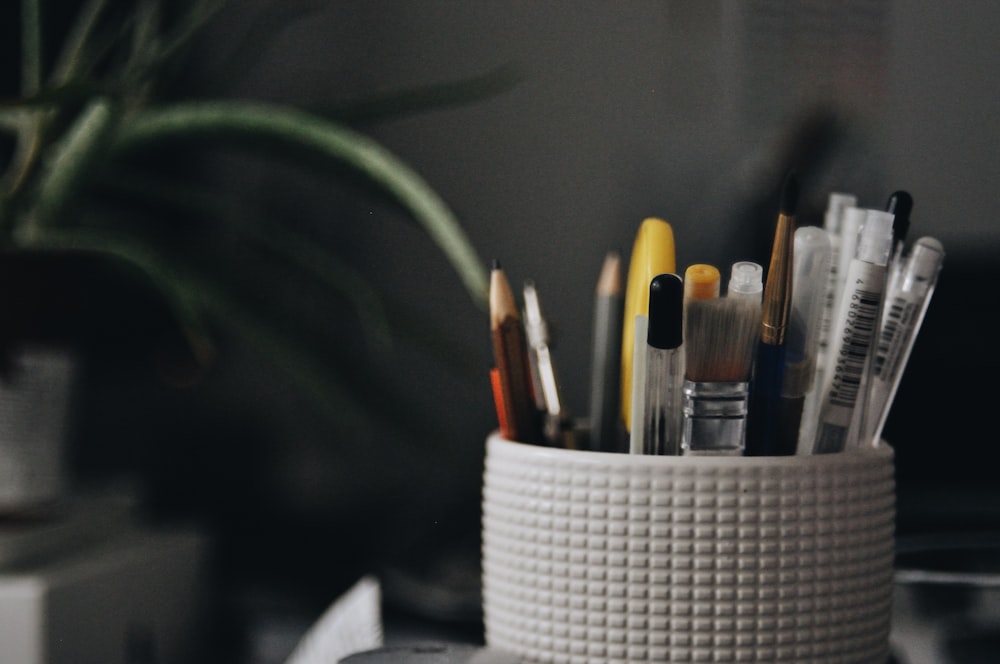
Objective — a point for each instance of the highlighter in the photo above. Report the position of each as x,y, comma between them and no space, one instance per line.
653,253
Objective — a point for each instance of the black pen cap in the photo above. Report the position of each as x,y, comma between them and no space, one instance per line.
666,311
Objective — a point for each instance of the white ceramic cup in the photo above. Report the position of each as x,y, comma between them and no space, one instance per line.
603,557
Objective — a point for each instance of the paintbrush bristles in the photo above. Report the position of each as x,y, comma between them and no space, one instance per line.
720,337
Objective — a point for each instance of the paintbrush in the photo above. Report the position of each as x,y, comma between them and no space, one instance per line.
720,335
763,437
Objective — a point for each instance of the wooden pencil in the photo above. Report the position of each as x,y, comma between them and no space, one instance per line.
605,378
510,352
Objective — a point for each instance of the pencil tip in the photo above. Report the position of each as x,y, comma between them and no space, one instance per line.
789,194
495,264
610,280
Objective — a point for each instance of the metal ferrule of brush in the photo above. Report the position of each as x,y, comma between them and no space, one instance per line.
714,418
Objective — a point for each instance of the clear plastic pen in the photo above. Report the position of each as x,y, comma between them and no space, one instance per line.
660,420
906,306
809,279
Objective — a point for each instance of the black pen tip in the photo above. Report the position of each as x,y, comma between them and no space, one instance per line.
789,195
900,205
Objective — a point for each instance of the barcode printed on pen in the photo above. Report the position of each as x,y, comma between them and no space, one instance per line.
826,320
857,338
890,325
897,317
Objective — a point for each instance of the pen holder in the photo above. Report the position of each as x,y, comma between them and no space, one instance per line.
603,557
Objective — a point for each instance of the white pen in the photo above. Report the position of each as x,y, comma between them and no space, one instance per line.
906,306
853,333
851,220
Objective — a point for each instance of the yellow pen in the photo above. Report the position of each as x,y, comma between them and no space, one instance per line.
652,254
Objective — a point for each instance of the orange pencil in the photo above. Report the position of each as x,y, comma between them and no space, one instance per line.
510,352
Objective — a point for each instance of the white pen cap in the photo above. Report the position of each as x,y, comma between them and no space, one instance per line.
924,264
835,206
875,239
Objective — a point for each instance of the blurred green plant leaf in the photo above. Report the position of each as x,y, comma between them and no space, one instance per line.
79,121
286,128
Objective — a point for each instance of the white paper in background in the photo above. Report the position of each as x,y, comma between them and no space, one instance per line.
352,624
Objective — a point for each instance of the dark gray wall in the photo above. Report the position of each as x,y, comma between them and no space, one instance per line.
690,111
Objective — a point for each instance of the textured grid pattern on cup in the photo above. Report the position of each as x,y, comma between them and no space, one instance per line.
591,557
